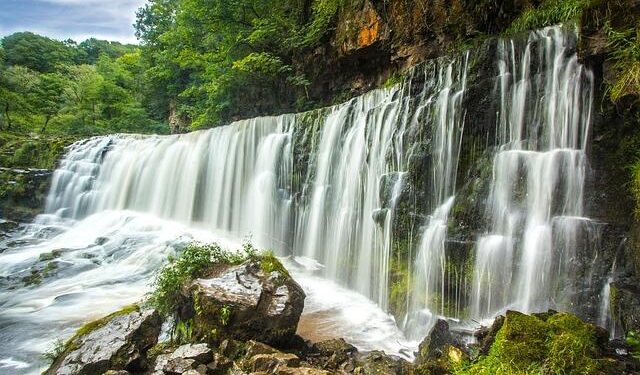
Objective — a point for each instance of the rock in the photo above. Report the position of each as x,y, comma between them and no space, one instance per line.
625,304
219,365
176,366
161,361
273,361
378,363
432,347
254,348
333,354
116,372
486,336
191,372
118,342
231,348
257,300
199,352
301,371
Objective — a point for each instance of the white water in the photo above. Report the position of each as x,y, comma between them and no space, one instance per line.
538,177
120,205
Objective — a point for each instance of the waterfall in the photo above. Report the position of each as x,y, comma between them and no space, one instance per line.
538,176
360,199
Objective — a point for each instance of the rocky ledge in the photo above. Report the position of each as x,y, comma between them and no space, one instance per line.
240,317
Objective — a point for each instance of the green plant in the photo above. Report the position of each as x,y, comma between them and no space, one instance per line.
548,13
55,352
225,314
633,340
193,260
625,56
182,332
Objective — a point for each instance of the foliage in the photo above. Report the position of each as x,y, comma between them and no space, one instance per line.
633,340
548,13
209,62
95,87
625,55
182,332
193,260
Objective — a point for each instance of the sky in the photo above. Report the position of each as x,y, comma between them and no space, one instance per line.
75,19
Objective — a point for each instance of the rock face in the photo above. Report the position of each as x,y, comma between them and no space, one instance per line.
257,300
117,342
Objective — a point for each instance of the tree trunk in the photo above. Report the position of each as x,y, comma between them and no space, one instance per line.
6,114
46,121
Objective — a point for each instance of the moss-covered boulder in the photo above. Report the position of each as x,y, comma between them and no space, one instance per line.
116,342
550,343
257,300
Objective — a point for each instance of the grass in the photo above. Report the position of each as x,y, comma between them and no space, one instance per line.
550,12
625,56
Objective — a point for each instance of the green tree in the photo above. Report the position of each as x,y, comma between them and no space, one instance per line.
49,96
37,52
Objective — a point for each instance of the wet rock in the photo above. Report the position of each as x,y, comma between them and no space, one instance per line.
625,304
487,336
199,352
118,342
257,300
432,347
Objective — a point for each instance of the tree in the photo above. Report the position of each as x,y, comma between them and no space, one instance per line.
49,96
37,52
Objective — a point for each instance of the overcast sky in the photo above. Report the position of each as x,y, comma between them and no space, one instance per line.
75,19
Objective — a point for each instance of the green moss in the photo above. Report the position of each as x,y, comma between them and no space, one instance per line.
269,263
25,151
558,343
99,323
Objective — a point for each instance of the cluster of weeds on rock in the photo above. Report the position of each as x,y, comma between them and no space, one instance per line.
625,56
190,264
549,12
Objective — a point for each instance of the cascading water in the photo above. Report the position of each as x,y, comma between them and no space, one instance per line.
328,188
537,189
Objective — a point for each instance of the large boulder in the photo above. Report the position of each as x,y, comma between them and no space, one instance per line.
257,300
117,342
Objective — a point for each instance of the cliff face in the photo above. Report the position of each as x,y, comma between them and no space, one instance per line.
374,40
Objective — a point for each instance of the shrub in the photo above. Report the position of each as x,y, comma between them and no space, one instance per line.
193,260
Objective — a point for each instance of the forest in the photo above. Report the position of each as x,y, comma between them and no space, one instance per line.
195,60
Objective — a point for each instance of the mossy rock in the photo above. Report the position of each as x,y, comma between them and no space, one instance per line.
552,343
118,341
257,300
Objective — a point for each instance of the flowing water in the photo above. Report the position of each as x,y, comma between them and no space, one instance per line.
323,190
